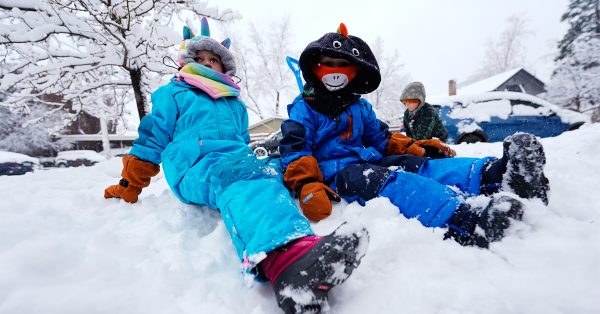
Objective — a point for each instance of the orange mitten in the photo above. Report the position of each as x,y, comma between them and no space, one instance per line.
435,148
304,176
315,200
136,175
399,144
124,191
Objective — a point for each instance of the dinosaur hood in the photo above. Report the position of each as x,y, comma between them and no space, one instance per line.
351,48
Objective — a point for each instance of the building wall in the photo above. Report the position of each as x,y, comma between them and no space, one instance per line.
529,83
267,127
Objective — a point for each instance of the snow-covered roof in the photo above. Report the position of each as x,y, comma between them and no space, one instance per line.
489,84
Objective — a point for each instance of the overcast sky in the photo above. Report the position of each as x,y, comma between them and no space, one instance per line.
437,40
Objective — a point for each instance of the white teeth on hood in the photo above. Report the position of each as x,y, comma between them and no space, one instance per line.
335,81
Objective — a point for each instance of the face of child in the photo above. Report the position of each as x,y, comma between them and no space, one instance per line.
209,60
335,73
411,104
334,62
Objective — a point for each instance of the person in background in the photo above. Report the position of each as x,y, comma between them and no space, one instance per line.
421,121
198,130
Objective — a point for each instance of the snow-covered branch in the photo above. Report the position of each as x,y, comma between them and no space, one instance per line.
96,52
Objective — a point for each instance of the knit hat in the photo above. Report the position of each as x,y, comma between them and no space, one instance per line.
351,48
414,90
191,44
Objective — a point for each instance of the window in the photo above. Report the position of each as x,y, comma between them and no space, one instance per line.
527,108
482,111
515,88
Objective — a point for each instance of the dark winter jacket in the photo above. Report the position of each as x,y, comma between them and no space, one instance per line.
424,123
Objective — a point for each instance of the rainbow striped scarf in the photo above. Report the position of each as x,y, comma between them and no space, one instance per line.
214,83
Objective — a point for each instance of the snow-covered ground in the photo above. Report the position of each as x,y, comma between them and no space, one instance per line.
65,249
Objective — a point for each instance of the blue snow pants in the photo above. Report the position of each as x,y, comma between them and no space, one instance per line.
420,187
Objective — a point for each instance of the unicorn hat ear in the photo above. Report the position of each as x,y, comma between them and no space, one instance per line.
226,43
187,33
204,29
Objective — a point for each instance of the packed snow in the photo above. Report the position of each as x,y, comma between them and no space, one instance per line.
65,249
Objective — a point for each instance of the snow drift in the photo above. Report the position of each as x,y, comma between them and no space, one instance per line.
65,249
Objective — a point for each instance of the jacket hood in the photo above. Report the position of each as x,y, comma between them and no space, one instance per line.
414,90
351,48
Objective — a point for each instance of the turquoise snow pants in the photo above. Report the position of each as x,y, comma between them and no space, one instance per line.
258,211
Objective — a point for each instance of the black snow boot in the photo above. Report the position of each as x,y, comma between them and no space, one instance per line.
475,227
303,286
524,174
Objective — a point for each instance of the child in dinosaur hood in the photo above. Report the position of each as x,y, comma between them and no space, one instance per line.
198,131
334,146
420,119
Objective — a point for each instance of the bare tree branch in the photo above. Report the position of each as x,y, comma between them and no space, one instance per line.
507,52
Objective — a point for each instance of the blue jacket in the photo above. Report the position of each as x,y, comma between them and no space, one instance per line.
354,137
202,145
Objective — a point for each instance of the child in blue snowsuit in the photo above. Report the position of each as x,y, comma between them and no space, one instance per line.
333,145
198,131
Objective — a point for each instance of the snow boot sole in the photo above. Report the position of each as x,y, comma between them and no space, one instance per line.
303,286
495,219
489,224
525,167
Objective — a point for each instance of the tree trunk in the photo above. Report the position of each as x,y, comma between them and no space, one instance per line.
105,140
597,18
277,104
136,83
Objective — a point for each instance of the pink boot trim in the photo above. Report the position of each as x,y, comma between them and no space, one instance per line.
282,257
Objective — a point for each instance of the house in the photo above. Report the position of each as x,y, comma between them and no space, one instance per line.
265,127
94,141
515,80
85,130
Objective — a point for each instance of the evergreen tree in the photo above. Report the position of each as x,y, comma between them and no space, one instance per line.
575,80
583,17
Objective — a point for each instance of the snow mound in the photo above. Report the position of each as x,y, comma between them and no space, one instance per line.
66,249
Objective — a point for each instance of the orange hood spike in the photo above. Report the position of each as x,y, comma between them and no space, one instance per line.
343,30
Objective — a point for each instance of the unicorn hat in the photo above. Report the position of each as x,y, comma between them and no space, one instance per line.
191,44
